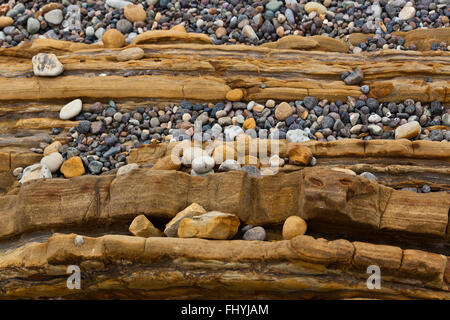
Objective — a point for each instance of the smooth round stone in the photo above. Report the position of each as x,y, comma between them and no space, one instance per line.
53,161
95,167
369,176
436,135
33,25
127,168
71,110
46,65
90,31
375,130
35,171
255,234
54,17
293,226
203,164
374,118
365,89
228,165
232,132
83,126
297,135
78,241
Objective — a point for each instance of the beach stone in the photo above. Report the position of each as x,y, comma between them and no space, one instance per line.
127,168
375,130
134,13
54,17
315,6
436,135
35,171
248,32
52,147
274,5
95,167
113,38
407,13
408,130
124,26
46,65
211,225
293,226
117,4
142,227
250,123
53,161
300,155
283,111
130,54
275,161
229,165
255,234
232,132
5,22
17,171
234,95
203,164
355,77
194,209
78,241
222,153
72,167
297,135
369,176
33,25
97,127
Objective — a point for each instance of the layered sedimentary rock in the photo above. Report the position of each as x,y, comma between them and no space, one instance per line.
303,267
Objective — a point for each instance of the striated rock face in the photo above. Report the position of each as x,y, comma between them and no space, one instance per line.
311,267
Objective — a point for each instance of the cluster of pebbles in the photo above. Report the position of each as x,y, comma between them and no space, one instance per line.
226,22
104,134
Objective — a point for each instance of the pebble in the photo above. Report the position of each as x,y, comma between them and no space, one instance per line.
54,17
255,234
229,165
127,168
369,176
47,65
35,171
53,161
203,164
293,226
408,130
355,77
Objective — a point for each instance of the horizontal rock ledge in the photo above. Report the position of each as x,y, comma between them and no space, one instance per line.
313,194
294,268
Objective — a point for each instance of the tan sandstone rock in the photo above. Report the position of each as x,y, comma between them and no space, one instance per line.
315,6
53,147
142,227
130,54
72,167
134,13
283,111
113,38
408,130
194,209
211,225
223,152
293,226
5,21
166,163
234,95
300,155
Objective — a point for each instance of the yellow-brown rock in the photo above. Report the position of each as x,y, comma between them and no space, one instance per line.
250,123
220,32
300,155
283,111
142,227
113,38
171,36
194,209
5,21
53,147
72,167
293,226
178,28
315,6
135,53
134,13
235,95
211,225
408,130
166,163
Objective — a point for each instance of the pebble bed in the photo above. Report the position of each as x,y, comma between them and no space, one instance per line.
226,22
103,132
